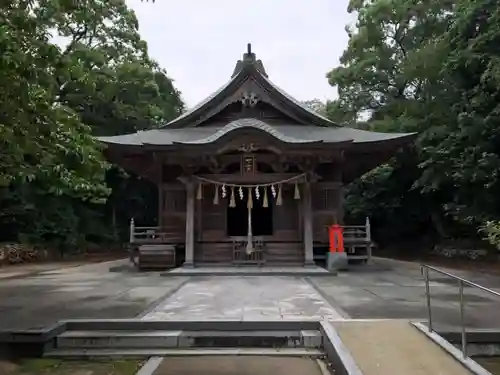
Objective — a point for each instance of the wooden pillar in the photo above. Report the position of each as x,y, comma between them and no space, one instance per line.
307,225
132,230
159,186
341,204
160,204
340,192
190,202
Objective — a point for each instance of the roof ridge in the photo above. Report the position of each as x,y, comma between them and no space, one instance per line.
249,66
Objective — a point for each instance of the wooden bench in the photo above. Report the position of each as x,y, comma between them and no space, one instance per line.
151,256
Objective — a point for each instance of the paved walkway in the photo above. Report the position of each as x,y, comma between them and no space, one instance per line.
221,365
245,298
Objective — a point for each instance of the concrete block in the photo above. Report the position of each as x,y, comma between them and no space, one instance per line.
336,261
158,339
312,339
240,339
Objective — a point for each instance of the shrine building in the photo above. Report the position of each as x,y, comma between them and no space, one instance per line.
249,175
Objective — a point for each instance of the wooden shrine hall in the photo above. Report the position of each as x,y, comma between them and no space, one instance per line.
249,175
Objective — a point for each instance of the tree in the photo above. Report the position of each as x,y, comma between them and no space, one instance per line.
465,153
429,67
316,105
386,80
98,79
40,138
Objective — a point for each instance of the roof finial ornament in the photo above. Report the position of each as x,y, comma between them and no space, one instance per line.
249,56
249,60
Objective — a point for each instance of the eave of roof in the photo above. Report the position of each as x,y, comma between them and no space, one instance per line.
291,134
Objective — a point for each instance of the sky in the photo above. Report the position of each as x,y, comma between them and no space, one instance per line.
198,42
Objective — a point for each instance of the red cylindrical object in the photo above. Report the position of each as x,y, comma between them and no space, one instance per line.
336,236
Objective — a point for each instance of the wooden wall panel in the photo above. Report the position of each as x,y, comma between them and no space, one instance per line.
284,253
174,212
216,253
277,253
327,206
211,217
286,217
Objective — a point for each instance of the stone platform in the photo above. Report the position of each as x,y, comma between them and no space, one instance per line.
248,271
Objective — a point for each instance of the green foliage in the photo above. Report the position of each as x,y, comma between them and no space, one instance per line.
40,139
70,71
492,231
429,67
316,105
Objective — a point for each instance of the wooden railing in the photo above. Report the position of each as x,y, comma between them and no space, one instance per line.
358,233
151,235
358,241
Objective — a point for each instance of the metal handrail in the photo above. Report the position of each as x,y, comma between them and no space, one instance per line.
461,282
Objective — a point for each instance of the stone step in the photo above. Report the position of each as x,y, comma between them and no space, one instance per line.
118,339
162,352
188,339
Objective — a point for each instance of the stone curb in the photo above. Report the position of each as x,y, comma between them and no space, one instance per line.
337,352
248,273
150,366
467,362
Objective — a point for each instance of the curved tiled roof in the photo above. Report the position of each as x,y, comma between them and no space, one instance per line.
204,102
252,124
285,133
310,127
248,67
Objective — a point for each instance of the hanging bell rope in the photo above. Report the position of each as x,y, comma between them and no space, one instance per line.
216,195
199,193
279,198
232,201
249,199
296,192
249,248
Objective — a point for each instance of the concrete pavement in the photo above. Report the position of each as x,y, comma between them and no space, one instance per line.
388,289
89,291
394,289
